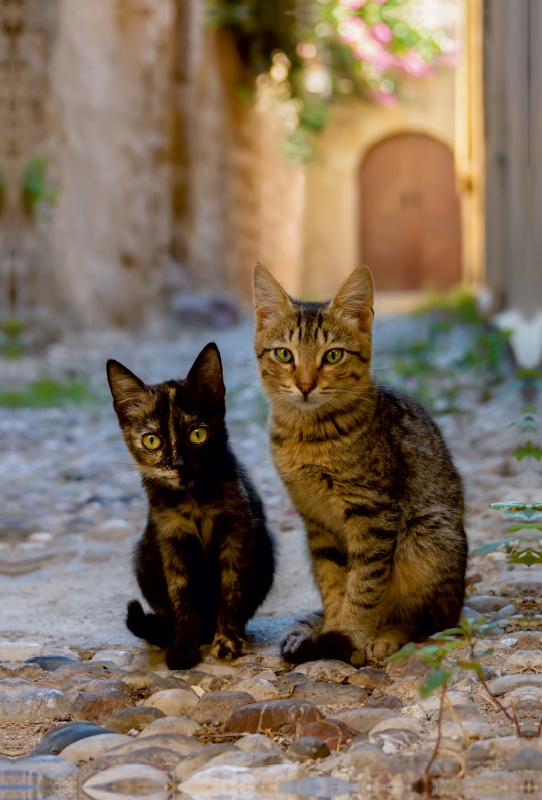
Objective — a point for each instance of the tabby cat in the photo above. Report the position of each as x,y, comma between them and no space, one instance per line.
367,470
205,562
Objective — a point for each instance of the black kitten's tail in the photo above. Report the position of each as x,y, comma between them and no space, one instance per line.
304,641
154,628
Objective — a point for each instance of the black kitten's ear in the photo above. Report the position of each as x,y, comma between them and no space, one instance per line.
127,389
205,377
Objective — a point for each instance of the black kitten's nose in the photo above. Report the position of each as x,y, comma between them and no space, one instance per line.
178,463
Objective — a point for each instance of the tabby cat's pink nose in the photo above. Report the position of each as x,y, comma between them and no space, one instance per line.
305,387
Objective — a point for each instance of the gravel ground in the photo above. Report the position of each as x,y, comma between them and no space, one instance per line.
71,511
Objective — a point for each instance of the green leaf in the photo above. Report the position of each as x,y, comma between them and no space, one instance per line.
473,666
435,680
527,557
408,650
525,527
528,451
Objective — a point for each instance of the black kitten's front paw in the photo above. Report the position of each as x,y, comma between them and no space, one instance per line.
227,646
183,656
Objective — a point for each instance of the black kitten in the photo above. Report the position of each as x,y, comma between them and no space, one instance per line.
205,562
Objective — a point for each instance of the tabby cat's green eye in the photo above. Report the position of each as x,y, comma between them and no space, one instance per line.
334,356
198,435
151,441
283,354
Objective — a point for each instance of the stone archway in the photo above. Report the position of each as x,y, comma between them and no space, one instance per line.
410,227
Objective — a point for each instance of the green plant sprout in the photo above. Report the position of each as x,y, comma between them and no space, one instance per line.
436,655
37,188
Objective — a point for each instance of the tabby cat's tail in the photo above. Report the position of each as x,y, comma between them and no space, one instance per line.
154,628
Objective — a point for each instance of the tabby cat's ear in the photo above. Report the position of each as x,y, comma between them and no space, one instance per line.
356,297
269,296
205,378
127,389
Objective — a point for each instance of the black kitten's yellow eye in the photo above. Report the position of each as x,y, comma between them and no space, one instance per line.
283,354
151,441
333,356
198,435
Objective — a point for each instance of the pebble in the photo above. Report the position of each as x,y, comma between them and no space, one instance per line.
215,708
285,683
31,672
33,705
122,658
199,758
508,683
52,767
326,670
128,719
195,677
131,777
258,688
487,603
174,702
183,745
257,743
58,741
364,720
525,760
284,716
404,723
370,678
168,682
504,612
308,748
326,694
475,730
161,758
112,530
362,755
218,669
183,725
391,741
98,706
240,758
67,672
50,663
334,732
386,701
239,781
524,660
93,747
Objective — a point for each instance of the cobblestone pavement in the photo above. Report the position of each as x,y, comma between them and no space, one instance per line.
91,707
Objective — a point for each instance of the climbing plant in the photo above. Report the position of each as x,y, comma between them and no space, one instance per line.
308,54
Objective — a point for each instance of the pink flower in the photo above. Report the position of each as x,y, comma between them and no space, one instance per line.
384,100
352,5
381,2
413,64
382,32
352,29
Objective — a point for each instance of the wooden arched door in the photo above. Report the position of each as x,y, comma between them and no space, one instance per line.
410,216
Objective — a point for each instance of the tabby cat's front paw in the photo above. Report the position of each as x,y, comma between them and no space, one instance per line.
227,646
183,656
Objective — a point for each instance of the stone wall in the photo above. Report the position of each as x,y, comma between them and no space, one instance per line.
110,85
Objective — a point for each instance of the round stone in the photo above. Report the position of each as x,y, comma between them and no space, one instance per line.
93,747
56,742
128,719
168,682
525,760
50,663
283,716
326,694
174,702
183,725
258,688
52,767
257,743
98,706
307,748
132,777
183,745
216,707
196,760
122,658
